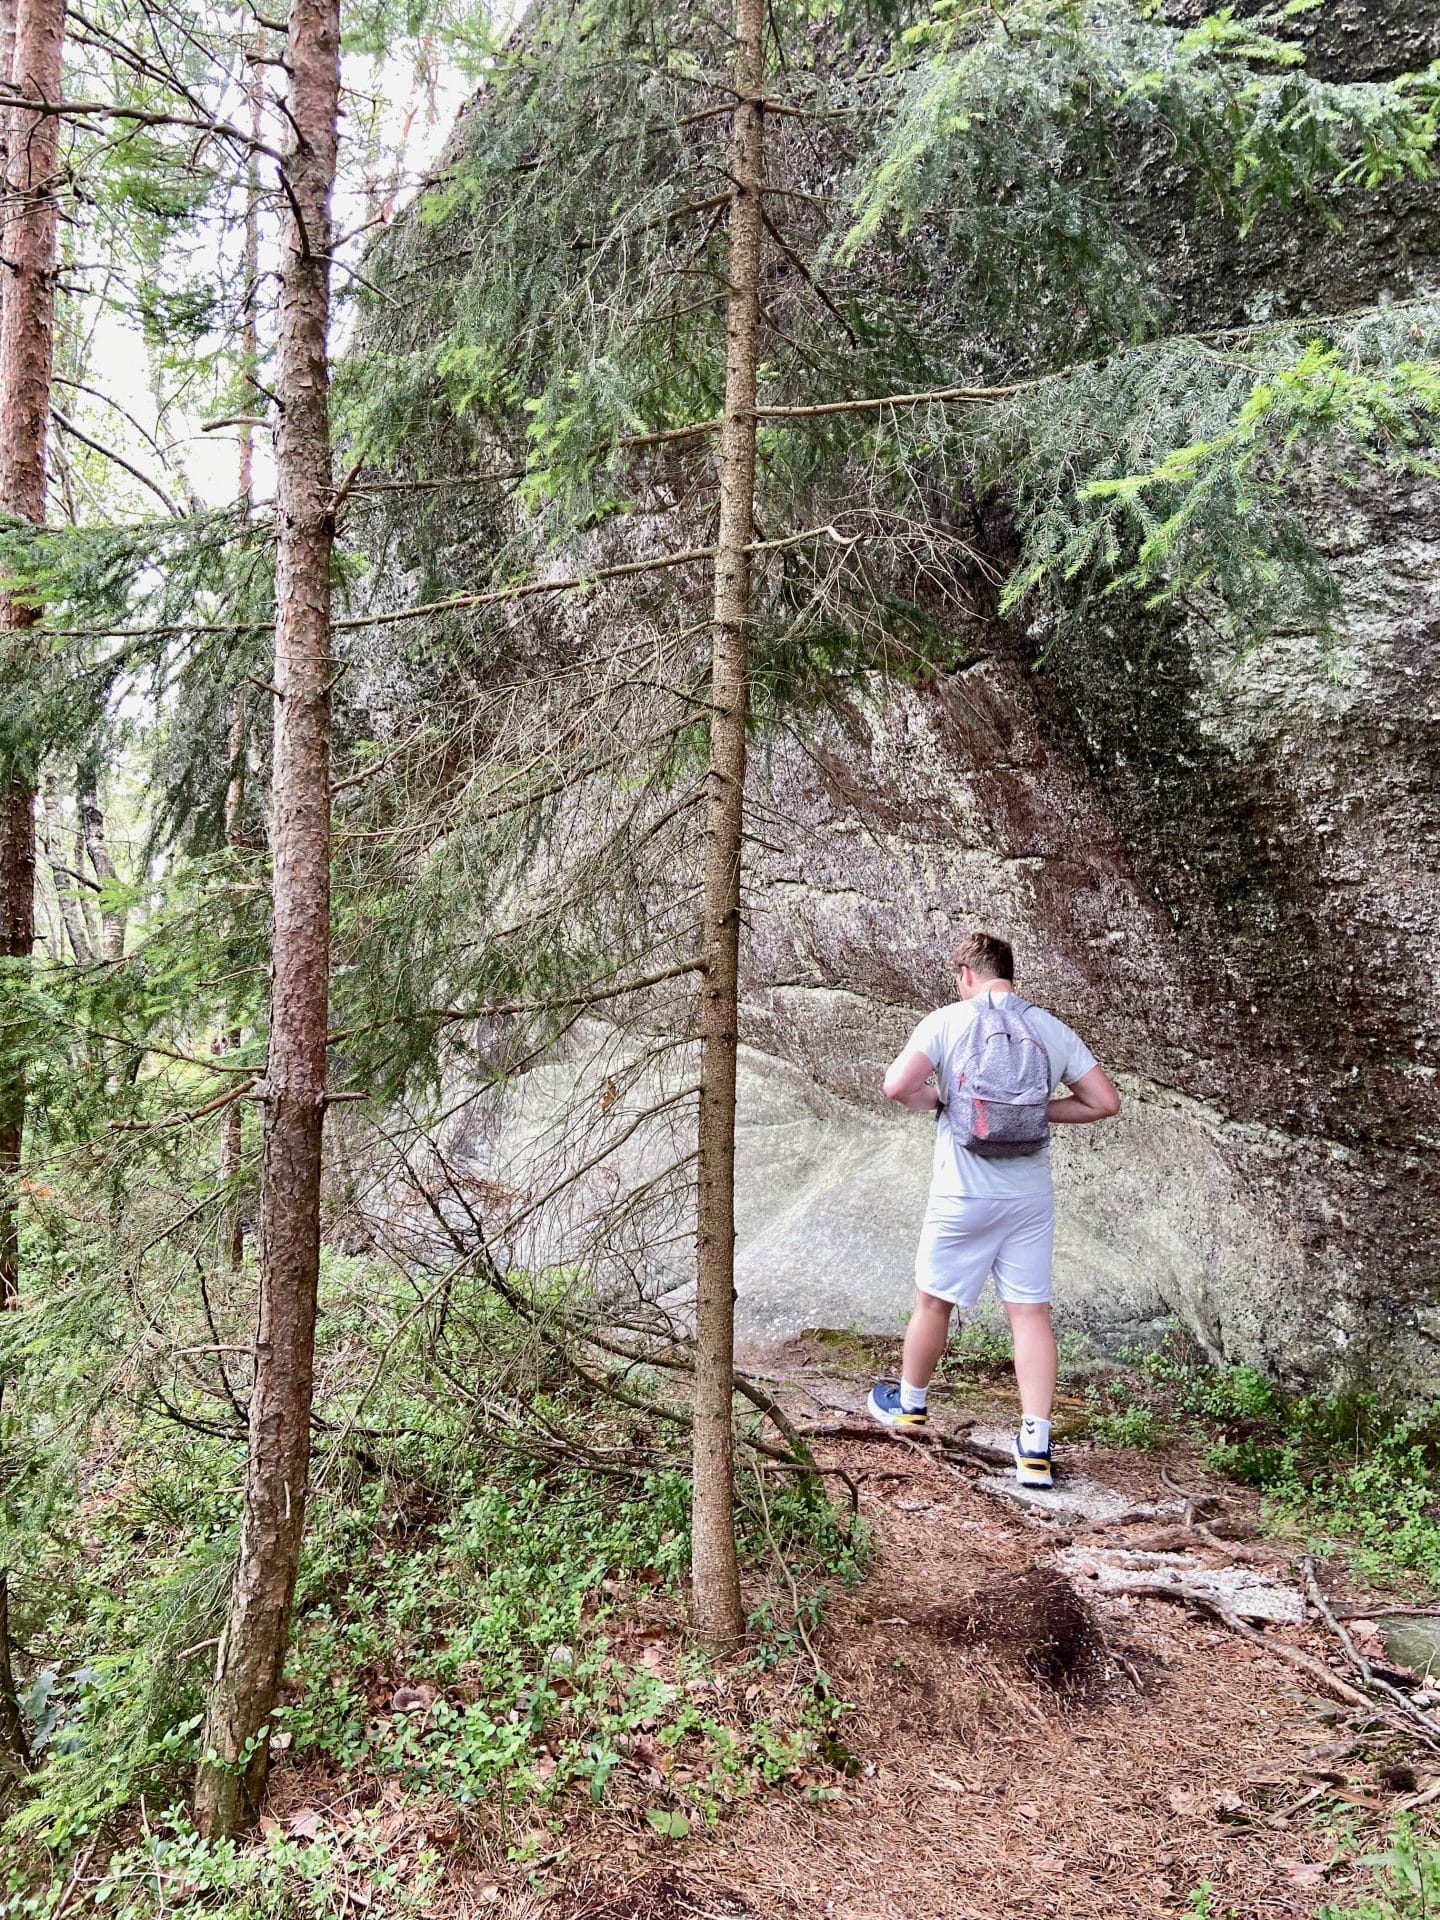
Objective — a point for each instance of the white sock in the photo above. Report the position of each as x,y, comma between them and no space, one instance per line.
1035,1433
912,1399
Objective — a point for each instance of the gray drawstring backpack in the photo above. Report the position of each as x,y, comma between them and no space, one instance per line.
999,1083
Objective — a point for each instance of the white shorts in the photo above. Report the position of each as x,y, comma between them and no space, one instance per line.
964,1240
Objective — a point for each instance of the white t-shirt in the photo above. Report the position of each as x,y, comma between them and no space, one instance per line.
961,1175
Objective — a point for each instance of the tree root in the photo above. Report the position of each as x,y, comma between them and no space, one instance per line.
1411,1722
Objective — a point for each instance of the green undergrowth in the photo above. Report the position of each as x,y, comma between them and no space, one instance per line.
1405,1880
1339,1471
489,1642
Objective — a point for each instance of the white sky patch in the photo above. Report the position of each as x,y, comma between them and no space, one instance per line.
396,117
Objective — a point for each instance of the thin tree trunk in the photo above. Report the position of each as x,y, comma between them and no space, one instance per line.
231,1143
84,892
112,918
67,885
35,30
14,1742
231,1137
252,1649
17,939
715,1574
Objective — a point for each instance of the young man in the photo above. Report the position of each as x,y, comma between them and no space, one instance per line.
991,1063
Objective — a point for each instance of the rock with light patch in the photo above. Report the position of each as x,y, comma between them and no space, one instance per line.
1238,1590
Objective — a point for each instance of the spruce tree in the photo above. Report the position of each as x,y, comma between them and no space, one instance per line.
27,326
954,306
251,1659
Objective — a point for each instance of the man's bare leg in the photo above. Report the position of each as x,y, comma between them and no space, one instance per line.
904,1406
1036,1359
924,1339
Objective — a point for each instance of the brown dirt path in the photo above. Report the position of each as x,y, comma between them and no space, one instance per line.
1184,1756
1014,1744
1180,1757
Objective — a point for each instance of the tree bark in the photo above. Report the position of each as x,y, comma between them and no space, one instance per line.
17,938
231,1142
231,1136
252,1648
34,30
112,918
715,1575
14,1740
66,881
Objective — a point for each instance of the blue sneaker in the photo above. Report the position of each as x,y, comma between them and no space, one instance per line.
884,1406
1032,1465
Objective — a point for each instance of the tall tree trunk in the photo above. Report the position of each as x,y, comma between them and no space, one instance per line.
35,30
231,1136
231,1141
67,880
715,1573
252,1649
112,918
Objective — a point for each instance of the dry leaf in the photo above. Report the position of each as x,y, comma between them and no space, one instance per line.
1302,1873
303,1825
488,1892
1184,1802
1028,1812
1048,1863
269,1824
413,1699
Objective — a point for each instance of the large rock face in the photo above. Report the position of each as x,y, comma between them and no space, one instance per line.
1226,876
1227,880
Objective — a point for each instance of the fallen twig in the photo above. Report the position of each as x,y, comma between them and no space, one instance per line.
822,1681
1411,1724
1432,1612
1182,1539
1424,1721
1188,1519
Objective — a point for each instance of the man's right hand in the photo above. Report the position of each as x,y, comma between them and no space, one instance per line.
908,1082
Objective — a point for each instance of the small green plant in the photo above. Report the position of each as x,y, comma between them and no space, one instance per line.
1406,1881
1340,1469
1136,1426
1201,1900
299,1875
978,1350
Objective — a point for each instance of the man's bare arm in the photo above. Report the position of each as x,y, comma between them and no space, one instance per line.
906,1082
1092,1097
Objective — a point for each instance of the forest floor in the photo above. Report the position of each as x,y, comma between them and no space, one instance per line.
1016,1739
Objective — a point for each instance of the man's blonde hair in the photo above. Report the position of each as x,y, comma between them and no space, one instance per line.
990,956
